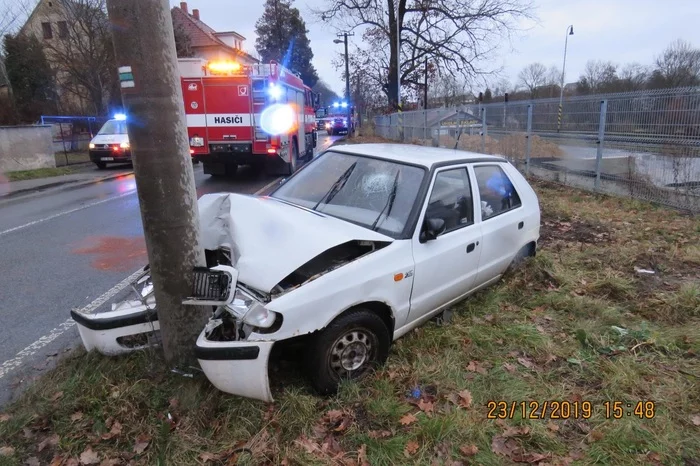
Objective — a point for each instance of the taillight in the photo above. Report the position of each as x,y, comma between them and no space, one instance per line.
272,150
115,148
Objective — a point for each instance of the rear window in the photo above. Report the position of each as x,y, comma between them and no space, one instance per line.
497,192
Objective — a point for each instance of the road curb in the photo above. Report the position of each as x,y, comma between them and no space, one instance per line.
32,192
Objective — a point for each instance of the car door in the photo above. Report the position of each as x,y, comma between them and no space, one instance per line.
502,219
445,267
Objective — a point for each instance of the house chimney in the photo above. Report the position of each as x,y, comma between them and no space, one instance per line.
195,13
183,6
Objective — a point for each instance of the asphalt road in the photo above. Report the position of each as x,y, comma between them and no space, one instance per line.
62,250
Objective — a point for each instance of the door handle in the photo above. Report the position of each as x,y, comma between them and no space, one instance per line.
520,225
470,247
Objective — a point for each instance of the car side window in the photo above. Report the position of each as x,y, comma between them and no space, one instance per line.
451,199
496,190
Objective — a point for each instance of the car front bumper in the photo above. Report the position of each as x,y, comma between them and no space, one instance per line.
236,367
122,156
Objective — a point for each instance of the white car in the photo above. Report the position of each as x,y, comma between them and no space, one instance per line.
360,246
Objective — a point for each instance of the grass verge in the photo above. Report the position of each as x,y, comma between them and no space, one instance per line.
578,323
71,158
38,173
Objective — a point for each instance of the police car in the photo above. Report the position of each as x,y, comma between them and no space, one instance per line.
111,144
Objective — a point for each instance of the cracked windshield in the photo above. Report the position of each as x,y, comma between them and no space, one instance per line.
349,232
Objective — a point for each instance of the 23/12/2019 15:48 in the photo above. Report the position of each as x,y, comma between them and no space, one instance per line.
564,409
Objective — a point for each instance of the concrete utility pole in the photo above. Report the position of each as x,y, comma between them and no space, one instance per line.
345,35
144,44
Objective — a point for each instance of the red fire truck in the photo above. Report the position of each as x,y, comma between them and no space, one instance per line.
260,115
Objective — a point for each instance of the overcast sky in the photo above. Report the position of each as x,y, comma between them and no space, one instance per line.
618,30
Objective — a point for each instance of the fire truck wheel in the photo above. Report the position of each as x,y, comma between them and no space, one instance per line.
292,165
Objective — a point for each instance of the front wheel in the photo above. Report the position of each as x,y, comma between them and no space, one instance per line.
101,165
348,349
292,164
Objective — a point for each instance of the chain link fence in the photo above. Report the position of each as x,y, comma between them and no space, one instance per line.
644,145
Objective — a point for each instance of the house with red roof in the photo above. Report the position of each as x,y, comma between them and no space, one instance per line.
205,42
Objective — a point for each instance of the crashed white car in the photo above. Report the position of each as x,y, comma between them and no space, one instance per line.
357,248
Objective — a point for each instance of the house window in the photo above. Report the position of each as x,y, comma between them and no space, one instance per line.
62,29
46,29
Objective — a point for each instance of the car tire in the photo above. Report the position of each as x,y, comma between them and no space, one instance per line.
349,348
101,165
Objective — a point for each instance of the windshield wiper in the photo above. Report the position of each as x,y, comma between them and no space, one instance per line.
337,186
389,202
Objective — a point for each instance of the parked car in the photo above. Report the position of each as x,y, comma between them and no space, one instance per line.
353,251
111,144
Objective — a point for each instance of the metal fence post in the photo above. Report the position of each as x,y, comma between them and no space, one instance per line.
528,145
400,123
601,138
483,130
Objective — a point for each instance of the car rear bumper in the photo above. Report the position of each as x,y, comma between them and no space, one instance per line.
236,367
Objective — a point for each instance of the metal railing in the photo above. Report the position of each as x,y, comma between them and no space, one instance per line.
72,135
644,145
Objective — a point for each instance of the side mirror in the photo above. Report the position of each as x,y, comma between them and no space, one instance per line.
432,228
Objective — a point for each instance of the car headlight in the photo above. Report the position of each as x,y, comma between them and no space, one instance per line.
92,146
345,122
196,142
124,145
251,311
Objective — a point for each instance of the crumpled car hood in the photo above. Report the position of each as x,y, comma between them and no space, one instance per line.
268,238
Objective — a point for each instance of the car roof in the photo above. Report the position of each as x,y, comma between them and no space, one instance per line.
414,154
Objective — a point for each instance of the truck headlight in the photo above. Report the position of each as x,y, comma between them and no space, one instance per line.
91,146
196,142
251,311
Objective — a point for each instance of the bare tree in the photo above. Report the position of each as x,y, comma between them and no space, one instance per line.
83,55
456,35
678,66
10,16
448,90
598,76
633,77
532,77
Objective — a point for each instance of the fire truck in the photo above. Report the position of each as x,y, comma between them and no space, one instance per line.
334,118
260,115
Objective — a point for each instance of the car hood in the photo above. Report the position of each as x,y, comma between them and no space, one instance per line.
268,238
110,139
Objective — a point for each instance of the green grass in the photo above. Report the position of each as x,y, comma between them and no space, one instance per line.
38,173
72,158
576,323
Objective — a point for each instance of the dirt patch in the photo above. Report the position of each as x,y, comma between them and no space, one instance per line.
115,253
574,230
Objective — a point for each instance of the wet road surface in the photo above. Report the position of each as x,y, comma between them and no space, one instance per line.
62,250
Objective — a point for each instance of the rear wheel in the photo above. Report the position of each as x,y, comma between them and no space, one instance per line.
101,165
348,349
292,164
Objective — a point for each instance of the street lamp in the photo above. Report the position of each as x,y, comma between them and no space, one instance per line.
569,32
345,35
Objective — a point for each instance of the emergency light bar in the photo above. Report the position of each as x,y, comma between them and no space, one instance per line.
223,66
120,117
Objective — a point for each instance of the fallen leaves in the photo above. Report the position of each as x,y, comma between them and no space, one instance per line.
51,441
362,455
526,362
114,431
426,406
32,461
469,450
408,419
89,457
465,399
411,449
377,434
56,396
5,417
7,451
142,442
505,445
510,367
475,366
695,419
334,420
77,416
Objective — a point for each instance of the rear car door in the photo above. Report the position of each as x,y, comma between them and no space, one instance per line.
446,267
502,219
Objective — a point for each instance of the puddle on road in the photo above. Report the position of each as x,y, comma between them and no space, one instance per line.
115,253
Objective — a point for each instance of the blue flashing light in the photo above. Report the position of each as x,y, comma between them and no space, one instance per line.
344,105
120,117
336,105
274,91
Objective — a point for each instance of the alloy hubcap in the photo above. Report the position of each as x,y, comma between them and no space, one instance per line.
351,352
